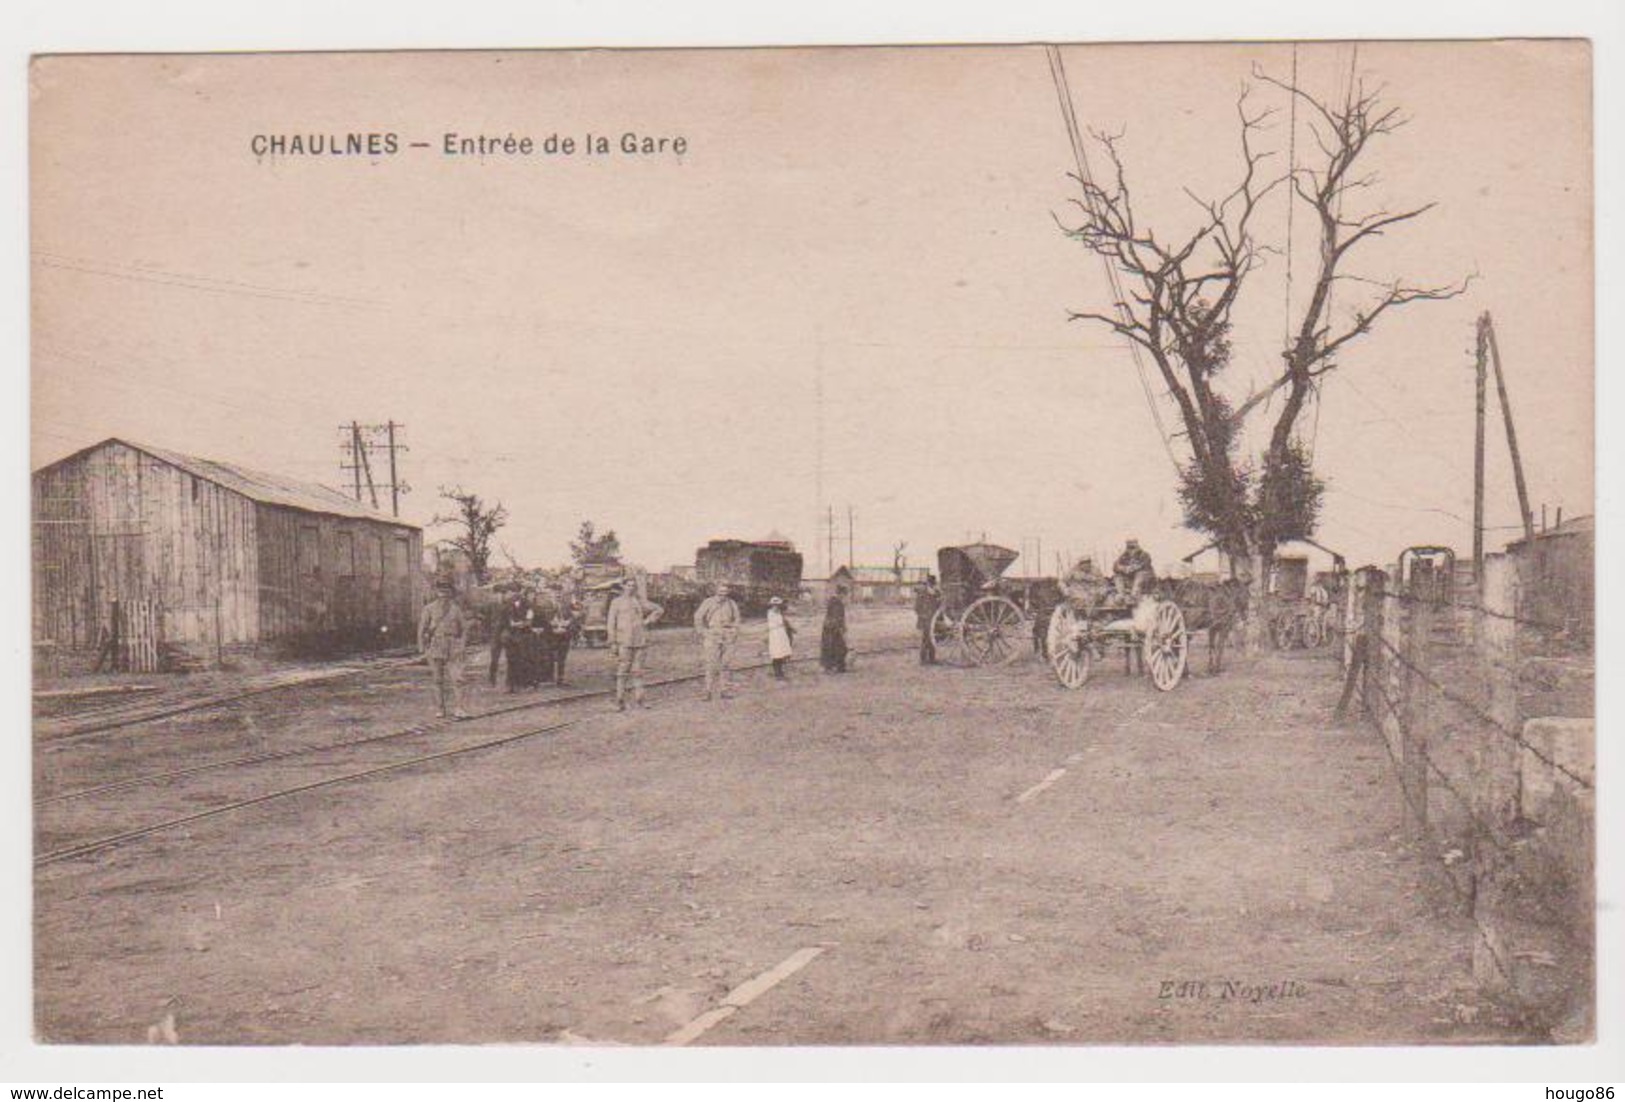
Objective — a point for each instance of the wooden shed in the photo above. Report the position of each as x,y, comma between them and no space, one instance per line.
213,557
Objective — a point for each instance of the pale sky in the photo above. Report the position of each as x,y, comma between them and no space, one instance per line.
639,340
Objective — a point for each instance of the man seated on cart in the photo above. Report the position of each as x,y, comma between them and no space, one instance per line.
1084,587
1132,576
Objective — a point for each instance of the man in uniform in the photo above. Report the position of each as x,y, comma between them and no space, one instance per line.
717,622
927,599
1132,572
629,619
442,631
1083,584
1042,604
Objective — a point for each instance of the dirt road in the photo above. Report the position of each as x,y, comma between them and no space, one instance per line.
900,855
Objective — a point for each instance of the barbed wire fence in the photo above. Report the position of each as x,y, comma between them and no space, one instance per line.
1438,676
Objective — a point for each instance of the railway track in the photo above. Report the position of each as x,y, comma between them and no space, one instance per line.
285,758
107,717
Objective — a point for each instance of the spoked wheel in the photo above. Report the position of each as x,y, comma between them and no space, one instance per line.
993,631
945,637
1314,630
1166,645
1069,654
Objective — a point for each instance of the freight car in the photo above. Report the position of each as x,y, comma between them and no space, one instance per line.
756,572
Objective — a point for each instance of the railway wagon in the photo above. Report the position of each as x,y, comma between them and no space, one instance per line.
757,572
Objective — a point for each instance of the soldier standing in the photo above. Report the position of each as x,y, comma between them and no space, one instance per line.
927,600
717,621
1042,606
630,617
442,630
832,649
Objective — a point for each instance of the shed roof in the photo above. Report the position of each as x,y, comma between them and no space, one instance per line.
268,489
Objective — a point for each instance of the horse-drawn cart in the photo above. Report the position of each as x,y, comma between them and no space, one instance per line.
1153,628
978,624
1085,627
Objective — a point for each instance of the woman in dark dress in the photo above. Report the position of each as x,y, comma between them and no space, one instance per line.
521,649
832,647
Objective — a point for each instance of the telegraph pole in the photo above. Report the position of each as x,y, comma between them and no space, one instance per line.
1482,370
394,477
1512,437
818,442
366,463
851,560
829,541
355,456
360,441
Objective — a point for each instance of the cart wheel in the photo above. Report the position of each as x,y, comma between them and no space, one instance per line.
993,631
945,637
1165,646
1314,631
1069,654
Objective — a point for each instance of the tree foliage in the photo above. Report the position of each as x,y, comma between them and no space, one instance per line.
475,525
590,548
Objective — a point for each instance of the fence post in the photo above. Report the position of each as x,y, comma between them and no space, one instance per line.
1498,790
1353,595
1414,713
1499,787
1371,621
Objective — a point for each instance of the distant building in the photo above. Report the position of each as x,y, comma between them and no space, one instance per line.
209,556
1557,573
879,584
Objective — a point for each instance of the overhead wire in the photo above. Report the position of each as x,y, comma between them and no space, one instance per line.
1331,290
1063,92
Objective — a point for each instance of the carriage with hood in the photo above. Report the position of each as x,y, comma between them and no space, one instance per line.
979,622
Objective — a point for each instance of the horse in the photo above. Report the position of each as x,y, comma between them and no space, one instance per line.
1213,607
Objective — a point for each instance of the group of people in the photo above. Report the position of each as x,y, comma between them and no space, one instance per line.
716,622
535,631
1131,577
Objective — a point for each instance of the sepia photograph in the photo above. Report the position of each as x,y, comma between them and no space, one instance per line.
1054,545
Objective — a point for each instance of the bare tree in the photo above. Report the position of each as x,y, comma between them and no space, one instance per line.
1175,297
476,524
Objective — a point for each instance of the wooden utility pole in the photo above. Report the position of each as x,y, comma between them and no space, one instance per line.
818,440
1512,437
355,456
394,476
851,560
366,465
1478,453
829,542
